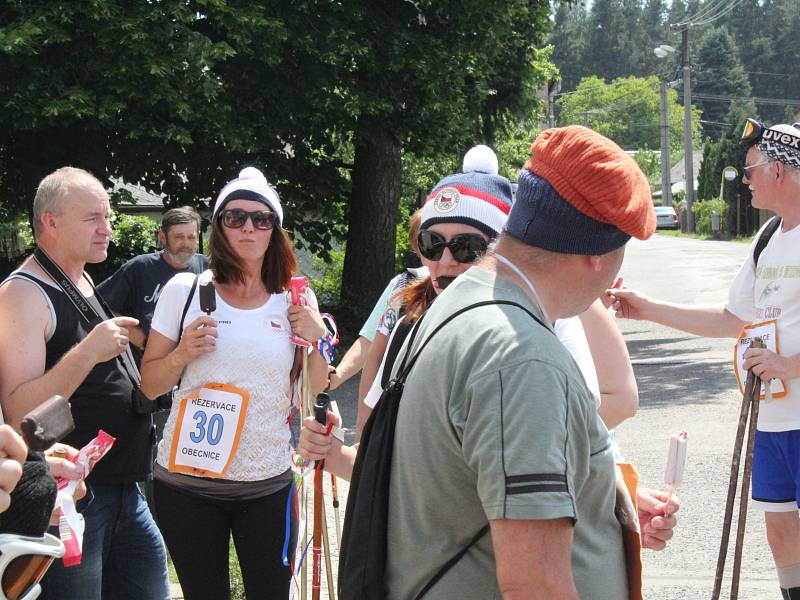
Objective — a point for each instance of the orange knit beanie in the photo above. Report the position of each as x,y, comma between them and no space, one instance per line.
580,193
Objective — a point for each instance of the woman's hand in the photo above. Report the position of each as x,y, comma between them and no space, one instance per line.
306,323
199,337
315,441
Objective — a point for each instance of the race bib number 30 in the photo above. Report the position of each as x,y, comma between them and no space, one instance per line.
207,431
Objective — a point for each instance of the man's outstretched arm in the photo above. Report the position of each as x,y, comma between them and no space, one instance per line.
705,321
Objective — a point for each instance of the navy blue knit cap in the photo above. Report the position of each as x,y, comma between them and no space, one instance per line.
541,217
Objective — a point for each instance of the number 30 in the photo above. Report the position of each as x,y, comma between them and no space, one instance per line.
214,431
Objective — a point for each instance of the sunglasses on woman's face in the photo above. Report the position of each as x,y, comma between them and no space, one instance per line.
23,563
465,247
234,218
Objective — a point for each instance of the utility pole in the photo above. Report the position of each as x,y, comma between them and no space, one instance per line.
687,128
666,184
553,88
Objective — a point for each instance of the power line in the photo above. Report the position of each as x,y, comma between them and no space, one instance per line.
755,99
702,13
719,14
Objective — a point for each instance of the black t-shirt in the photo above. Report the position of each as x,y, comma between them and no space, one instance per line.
134,289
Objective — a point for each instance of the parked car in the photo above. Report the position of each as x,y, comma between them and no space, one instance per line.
666,218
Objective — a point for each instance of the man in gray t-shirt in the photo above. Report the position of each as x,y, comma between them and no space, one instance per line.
496,424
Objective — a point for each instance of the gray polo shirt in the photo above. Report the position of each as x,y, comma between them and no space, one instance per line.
496,422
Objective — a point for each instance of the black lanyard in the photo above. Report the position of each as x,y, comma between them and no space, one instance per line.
94,309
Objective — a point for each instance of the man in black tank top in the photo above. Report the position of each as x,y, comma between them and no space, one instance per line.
50,343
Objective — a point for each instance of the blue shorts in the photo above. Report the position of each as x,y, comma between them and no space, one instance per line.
776,471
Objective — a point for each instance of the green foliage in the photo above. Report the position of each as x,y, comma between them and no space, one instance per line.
132,235
703,210
514,148
616,38
718,71
179,95
627,110
649,162
327,280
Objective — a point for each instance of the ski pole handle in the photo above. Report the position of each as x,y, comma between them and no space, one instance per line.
321,408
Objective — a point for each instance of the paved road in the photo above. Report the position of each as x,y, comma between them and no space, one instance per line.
687,382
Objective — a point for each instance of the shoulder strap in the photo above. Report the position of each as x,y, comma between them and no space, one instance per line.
763,239
398,336
451,563
405,369
94,310
186,306
183,316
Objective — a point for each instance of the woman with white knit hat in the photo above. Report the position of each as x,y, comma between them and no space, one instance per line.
223,464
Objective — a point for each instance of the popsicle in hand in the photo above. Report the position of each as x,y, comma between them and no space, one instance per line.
676,460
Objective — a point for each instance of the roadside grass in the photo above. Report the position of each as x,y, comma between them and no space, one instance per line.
746,239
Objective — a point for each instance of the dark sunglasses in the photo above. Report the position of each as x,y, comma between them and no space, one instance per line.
236,218
465,247
755,131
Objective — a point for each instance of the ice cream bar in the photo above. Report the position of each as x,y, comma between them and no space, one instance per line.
47,424
208,298
298,291
70,524
676,459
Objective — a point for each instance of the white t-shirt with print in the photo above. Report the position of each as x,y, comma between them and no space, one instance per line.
254,351
773,292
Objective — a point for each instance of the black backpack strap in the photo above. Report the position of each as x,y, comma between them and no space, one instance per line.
183,317
763,239
186,307
404,370
398,336
451,563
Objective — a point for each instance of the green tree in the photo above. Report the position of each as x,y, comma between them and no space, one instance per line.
718,155
568,38
627,110
610,48
178,95
428,79
719,72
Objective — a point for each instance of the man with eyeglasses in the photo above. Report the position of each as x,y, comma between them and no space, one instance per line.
766,288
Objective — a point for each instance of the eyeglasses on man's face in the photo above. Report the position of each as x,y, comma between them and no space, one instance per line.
748,169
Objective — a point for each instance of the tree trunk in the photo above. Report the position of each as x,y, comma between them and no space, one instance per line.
369,260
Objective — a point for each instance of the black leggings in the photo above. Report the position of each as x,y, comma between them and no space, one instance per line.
197,532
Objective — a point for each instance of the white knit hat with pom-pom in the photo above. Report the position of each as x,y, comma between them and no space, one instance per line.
250,185
478,196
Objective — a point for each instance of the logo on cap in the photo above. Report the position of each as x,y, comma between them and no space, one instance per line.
446,200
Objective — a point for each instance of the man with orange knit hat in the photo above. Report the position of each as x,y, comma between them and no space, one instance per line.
502,481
